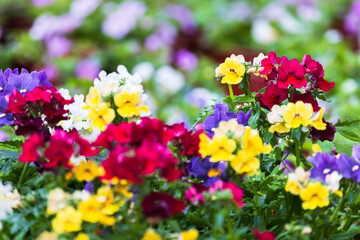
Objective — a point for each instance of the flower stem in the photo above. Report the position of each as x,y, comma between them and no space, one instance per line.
231,92
341,202
297,153
23,173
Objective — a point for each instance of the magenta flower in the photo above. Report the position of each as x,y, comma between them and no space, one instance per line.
291,73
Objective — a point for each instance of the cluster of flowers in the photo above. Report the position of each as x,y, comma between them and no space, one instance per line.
9,199
314,186
235,143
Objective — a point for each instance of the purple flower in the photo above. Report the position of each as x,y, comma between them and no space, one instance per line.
352,19
323,164
164,36
289,166
42,3
186,60
3,136
88,68
83,8
183,15
356,153
221,113
120,22
200,168
58,46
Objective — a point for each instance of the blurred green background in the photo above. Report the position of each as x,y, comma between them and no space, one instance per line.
176,45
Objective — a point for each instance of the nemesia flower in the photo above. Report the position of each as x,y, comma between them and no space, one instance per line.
291,73
221,148
194,197
191,234
264,235
269,65
183,15
244,163
323,164
58,46
57,200
7,201
332,181
30,148
186,60
168,80
150,234
253,144
206,170
323,135
67,220
306,98
47,236
237,193
297,114
82,236
157,206
297,181
221,113
231,71
273,96
86,171
314,195
275,117
129,104
87,68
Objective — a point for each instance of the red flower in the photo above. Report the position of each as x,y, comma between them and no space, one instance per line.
269,65
273,96
264,236
236,192
310,65
158,206
291,72
17,103
30,148
324,85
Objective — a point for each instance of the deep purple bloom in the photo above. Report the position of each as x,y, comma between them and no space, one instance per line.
323,135
221,113
200,168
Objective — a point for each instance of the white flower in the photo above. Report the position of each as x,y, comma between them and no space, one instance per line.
201,97
107,83
257,60
276,114
332,181
300,175
144,69
65,93
168,80
77,160
57,200
8,200
81,195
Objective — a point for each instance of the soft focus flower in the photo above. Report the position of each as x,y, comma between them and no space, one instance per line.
87,68
221,148
58,46
200,168
186,60
297,181
314,195
57,200
157,206
183,15
145,70
244,163
150,234
194,197
47,236
121,21
82,236
237,193
201,97
231,70
67,220
42,3
3,136
264,235
86,171
168,80
191,234
7,201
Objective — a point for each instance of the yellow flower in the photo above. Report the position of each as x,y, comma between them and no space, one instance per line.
221,148
122,187
230,128
279,127
232,70
252,143
47,236
150,234
204,145
294,187
90,210
298,114
245,163
316,148
86,171
101,115
93,98
82,236
191,234
314,195
129,104
318,122
67,220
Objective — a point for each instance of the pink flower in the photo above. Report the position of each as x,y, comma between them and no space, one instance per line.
194,197
236,192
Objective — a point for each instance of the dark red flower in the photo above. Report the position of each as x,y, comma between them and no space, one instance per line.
324,85
291,73
273,96
30,148
306,98
264,235
158,206
323,135
310,65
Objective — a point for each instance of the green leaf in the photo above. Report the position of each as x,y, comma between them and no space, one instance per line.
244,99
351,133
15,145
346,123
255,116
